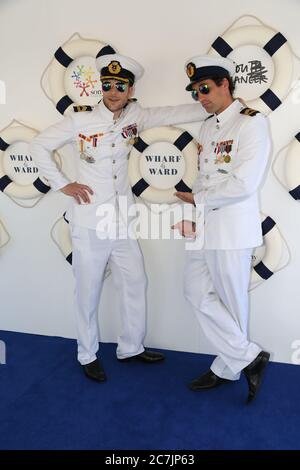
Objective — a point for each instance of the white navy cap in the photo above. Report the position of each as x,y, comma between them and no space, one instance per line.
206,66
113,65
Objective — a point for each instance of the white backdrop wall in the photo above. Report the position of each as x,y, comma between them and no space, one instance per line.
36,282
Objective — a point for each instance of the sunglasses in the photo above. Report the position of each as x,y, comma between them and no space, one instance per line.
203,89
119,86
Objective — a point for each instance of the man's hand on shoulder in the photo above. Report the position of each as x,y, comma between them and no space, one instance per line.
185,197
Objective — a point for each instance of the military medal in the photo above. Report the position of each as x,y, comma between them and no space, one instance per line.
89,159
130,134
83,153
199,148
228,148
86,157
222,150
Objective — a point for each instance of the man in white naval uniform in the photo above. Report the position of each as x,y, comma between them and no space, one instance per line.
235,144
102,139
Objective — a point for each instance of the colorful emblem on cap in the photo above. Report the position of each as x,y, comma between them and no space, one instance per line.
114,67
190,69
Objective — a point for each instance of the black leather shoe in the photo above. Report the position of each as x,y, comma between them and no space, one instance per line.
254,374
145,356
94,371
206,382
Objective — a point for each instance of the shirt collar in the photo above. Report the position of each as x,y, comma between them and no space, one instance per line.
230,111
107,114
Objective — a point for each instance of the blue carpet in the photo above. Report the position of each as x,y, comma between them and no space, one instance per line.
46,402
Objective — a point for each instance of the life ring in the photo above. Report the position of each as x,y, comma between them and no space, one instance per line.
64,57
292,167
39,186
2,92
4,236
275,45
171,165
61,236
273,244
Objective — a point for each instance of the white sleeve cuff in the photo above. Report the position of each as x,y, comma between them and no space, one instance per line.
59,183
199,198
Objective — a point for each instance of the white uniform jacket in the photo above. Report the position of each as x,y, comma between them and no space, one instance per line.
232,164
101,150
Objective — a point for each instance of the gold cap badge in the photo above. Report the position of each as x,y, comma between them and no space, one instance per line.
190,69
114,67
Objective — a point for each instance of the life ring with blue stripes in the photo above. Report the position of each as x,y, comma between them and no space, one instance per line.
63,238
63,58
39,187
292,167
61,235
4,236
273,244
147,185
276,46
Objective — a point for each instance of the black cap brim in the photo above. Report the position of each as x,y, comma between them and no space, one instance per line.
206,73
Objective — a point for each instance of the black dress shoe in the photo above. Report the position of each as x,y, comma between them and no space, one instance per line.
254,373
145,356
94,371
207,381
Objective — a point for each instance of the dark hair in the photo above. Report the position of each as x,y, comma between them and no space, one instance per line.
218,81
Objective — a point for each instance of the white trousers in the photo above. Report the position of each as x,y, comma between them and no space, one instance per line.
216,284
89,259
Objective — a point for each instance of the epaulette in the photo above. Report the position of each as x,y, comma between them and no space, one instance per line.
206,119
79,109
249,112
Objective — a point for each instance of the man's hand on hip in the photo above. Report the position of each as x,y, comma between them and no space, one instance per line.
80,192
186,228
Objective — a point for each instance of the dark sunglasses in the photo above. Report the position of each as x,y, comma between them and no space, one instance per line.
121,87
203,89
